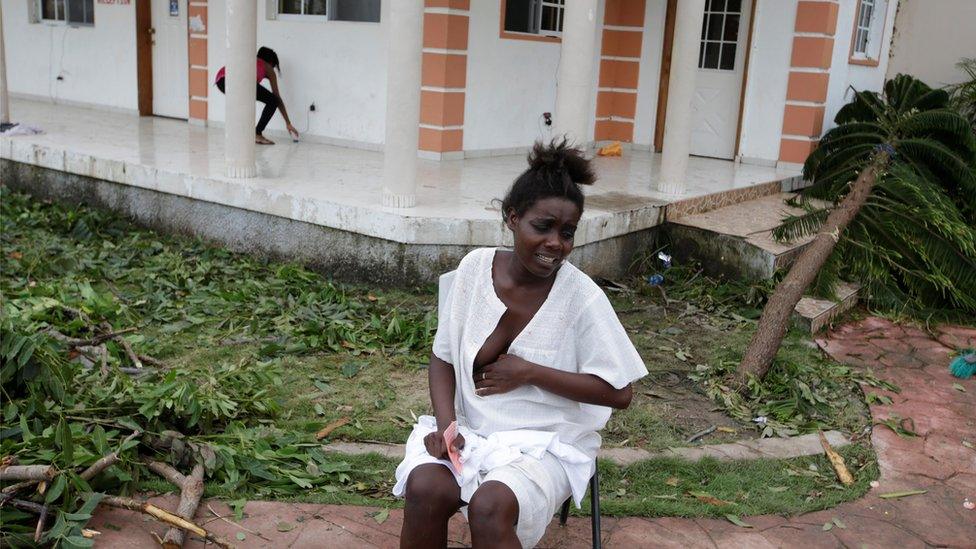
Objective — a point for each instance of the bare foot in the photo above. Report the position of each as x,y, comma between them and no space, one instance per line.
262,140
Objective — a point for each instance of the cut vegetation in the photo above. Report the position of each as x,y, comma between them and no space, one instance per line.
117,340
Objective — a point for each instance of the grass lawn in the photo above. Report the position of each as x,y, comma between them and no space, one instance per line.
350,351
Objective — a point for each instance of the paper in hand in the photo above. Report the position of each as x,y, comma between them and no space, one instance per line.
449,435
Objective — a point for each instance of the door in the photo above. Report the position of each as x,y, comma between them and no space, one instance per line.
721,60
170,61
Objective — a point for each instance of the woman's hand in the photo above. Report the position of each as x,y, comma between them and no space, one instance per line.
507,373
292,130
436,446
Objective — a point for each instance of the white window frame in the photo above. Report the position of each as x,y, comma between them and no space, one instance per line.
863,28
870,28
560,7
38,14
535,19
274,13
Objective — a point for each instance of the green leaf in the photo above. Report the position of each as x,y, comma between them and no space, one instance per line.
902,494
838,523
959,387
734,519
78,541
350,369
284,526
56,489
240,536
381,516
65,442
828,526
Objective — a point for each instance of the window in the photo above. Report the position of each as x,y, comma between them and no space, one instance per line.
535,16
720,35
333,10
72,12
869,28
862,27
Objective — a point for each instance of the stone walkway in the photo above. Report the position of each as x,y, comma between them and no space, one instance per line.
936,461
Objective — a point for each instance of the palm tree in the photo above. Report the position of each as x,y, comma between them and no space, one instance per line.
904,226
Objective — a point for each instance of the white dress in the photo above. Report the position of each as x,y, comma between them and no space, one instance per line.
575,330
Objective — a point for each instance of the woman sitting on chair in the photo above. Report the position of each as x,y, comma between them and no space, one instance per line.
265,65
528,359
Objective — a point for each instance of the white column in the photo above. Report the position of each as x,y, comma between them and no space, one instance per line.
4,100
681,88
242,46
405,37
576,67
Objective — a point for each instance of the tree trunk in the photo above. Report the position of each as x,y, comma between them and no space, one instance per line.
776,315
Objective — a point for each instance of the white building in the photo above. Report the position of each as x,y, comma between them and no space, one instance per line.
751,81
770,71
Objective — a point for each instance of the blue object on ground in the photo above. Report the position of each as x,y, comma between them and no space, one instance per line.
655,280
964,366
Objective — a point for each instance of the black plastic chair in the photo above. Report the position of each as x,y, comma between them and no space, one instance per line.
594,509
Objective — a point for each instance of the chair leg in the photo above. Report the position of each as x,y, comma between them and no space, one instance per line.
595,509
564,512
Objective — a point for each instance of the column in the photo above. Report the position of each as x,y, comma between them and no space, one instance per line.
575,80
4,100
403,78
242,47
444,70
681,88
616,96
806,91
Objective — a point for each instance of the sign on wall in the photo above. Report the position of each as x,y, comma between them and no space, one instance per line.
174,8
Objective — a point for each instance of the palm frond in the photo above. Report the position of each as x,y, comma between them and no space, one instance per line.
794,227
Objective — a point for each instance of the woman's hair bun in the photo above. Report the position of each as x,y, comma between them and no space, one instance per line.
549,160
556,169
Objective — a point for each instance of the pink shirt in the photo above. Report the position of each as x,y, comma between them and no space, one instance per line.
261,75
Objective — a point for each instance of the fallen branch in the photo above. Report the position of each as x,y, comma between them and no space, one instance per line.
190,494
41,510
327,430
163,516
91,342
191,490
125,346
700,434
105,462
14,488
837,461
151,361
36,473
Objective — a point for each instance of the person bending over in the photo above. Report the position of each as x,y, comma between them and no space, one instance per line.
265,65
528,360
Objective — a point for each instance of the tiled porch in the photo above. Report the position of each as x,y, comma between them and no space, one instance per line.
340,188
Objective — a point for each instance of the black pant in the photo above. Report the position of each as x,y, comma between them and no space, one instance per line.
265,96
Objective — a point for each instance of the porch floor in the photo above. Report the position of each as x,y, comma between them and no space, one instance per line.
340,187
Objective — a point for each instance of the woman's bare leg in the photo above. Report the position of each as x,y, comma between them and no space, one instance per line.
433,496
493,514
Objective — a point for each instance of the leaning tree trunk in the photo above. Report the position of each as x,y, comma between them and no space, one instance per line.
779,309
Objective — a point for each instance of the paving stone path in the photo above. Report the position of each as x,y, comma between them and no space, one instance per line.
936,461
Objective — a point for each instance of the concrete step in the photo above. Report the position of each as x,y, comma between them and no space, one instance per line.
736,241
814,314
733,196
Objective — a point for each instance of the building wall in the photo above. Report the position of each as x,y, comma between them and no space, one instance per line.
765,92
97,63
511,82
930,37
846,76
338,65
